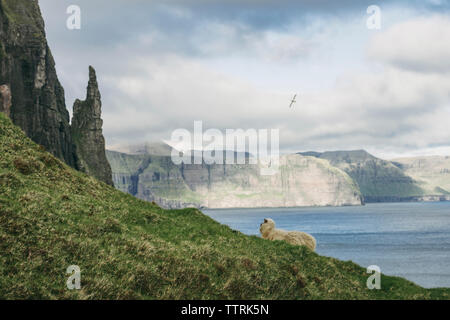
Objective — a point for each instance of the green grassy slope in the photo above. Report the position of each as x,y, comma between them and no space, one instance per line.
52,216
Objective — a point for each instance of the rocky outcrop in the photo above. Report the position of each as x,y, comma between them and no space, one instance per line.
300,181
88,135
28,78
5,100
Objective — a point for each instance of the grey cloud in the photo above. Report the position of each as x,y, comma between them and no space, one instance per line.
106,22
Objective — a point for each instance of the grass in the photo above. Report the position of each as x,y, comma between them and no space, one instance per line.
52,217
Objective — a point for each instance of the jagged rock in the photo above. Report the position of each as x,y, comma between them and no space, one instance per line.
87,133
27,68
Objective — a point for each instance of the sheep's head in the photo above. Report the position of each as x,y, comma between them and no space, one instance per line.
267,226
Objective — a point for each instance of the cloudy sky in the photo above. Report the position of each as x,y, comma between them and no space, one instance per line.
236,64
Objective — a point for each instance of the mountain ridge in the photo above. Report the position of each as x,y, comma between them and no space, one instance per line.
379,180
300,181
432,173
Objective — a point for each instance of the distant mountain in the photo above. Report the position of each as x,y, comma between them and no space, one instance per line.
154,148
305,180
379,180
431,173
301,181
162,149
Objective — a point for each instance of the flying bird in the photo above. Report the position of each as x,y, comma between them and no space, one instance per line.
293,101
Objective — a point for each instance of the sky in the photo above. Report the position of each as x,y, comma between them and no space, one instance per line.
161,65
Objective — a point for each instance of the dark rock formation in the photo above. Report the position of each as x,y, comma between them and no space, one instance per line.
5,100
31,95
27,68
87,133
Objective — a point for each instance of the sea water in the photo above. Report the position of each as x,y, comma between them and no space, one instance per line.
410,240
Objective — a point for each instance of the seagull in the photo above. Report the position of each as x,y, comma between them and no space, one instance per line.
293,101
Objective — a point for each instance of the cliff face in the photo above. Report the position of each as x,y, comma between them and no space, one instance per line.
28,79
87,133
379,180
5,100
431,173
301,181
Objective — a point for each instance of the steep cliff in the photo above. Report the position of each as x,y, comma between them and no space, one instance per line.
431,173
88,135
31,95
379,180
301,181
28,78
5,100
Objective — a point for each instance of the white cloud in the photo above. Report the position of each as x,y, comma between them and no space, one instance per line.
391,110
422,44
172,92
388,111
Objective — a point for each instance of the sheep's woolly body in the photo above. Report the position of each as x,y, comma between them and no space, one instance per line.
269,232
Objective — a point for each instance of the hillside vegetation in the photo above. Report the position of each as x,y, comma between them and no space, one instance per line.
52,216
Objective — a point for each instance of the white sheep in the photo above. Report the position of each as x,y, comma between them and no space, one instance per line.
269,232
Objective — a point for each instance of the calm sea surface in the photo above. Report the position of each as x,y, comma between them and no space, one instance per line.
411,240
